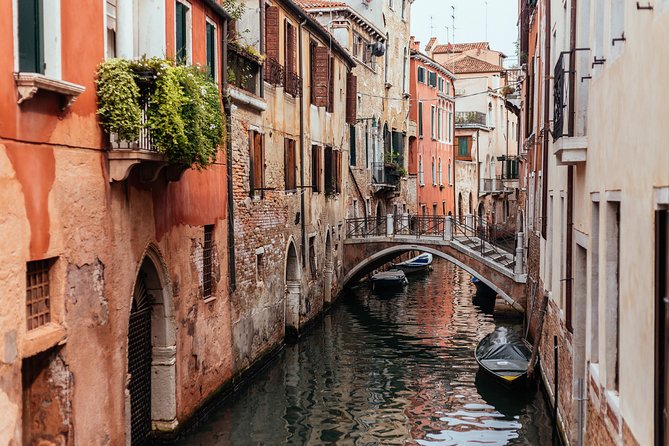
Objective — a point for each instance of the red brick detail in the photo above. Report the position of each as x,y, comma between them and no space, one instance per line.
351,98
272,32
320,76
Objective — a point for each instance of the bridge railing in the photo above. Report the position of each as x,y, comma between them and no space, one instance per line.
365,227
481,240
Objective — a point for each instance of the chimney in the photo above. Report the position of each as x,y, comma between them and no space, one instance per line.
414,45
430,44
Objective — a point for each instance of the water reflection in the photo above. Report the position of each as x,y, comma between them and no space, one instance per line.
384,370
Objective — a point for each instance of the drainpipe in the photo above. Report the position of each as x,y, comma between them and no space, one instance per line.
302,204
227,107
569,285
546,105
261,26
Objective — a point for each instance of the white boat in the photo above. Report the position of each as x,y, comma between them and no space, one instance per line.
388,279
417,264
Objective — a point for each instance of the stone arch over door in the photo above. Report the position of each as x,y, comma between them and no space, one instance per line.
151,383
329,269
293,277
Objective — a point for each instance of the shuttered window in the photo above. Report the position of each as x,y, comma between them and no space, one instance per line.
290,166
352,149
290,47
181,27
463,146
31,36
315,168
432,78
329,170
312,71
420,119
351,98
319,73
257,164
421,75
331,85
272,32
211,50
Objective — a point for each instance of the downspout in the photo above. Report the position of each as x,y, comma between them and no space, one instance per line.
546,129
302,204
227,107
570,172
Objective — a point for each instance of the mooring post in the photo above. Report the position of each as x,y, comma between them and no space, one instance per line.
448,228
390,225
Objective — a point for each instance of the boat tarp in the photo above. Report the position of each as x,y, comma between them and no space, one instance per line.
503,344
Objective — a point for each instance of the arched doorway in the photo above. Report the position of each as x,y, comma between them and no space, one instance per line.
480,215
379,218
293,289
151,353
329,269
471,204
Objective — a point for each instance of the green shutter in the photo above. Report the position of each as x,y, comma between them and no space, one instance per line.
420,119
211,50
31,52
463,146
181,44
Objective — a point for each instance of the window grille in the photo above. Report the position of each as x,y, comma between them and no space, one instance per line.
207,255
38,298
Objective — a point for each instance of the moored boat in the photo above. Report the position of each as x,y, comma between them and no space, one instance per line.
389,279
418,264
504,356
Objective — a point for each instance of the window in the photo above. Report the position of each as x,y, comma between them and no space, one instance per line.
358,46
272,33
182,41
464,144
260,264
434,173
290,46
257,164
38,294
315,168
31,36
405,63
420,119
404,9
432,118
441,177
110,12
329,170
312,256
289,164
421,177
432,78
211,49
450,125
441,84
450,181
331,85
387,60
207,255
612,315
439,124
421,75
352,145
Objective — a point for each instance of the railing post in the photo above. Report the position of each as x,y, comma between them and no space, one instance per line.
405,222
448,228
390,225
520,258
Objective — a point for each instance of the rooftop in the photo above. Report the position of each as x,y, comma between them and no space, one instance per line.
315,4
460,47
468,64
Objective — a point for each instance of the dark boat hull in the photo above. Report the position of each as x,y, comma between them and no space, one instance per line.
504,356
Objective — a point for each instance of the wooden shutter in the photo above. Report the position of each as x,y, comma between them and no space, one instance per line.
289,163
31,50
320,75
290,47
328,170
351,98
338,171
331,76
258,164
272,32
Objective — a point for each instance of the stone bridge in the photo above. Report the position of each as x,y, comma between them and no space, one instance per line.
371,243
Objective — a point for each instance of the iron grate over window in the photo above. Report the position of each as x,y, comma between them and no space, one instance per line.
558,98
207,251
38,299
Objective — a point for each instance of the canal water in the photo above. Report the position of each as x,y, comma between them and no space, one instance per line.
384,369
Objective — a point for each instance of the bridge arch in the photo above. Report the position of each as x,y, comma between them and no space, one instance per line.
385,255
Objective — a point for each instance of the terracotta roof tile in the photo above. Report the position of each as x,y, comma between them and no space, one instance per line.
460,47
470,64
316,4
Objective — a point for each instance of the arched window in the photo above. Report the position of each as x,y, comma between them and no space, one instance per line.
441,178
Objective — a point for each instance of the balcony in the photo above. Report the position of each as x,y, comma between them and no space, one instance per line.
385,177
273,72
293,84
470,118
491,186
567,148
243,69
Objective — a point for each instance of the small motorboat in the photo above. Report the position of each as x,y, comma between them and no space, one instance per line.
504,355
389,279
417,264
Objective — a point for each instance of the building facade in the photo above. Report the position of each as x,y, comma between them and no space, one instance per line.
432,113
597,249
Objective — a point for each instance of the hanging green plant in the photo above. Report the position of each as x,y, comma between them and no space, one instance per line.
183,107
118,99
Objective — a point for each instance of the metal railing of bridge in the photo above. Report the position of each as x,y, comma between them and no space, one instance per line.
365,227
481,238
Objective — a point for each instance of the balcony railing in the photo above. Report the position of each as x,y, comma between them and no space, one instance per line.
243,69
470,117
144,141
558,98
273,72
293,84
489,185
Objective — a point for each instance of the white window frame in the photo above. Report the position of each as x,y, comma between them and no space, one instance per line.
434,172
189,31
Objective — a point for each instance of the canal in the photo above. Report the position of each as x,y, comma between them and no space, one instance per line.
384,370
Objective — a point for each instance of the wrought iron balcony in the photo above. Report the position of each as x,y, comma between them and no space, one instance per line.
243,68
470,118
293,84
274,73
558,98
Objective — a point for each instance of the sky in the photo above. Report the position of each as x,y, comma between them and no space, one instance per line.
470,22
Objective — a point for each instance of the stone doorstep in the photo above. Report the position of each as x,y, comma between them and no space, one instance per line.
43,338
